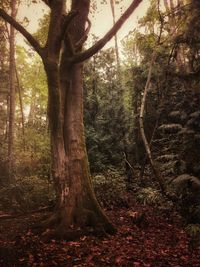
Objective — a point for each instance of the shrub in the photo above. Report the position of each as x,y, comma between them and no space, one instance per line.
187,189
149,196
110,188
193,232
3,171
26,194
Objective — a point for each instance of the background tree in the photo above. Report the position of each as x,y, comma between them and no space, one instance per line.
168,79
105,121
4,69
13,6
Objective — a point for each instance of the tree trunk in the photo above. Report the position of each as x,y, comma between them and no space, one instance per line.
32,111
173,23
76,203
77,208
21,108
156,172
112,5
12,95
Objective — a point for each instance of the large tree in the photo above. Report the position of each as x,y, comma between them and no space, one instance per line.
63,59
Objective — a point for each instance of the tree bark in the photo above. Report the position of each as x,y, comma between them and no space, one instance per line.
158,176
77,207
112,5
77,204
21,108
12,95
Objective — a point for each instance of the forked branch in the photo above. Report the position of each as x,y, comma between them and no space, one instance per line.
66,23
102,42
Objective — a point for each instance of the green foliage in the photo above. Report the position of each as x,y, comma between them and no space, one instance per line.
185,183
110,188
3,170
41,34
187,188
112,104
149,196
35,159
104,114
3,82
193,230
26,194
33,83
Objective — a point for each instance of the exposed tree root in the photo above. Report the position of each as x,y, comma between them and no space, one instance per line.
21,214
58,226
62,232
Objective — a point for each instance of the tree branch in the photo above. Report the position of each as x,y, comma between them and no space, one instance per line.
69,44
23,31
80,43
102,42
66,22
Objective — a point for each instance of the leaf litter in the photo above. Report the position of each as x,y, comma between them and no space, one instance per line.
152,240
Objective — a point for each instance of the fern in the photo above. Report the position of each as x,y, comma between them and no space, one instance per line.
149,196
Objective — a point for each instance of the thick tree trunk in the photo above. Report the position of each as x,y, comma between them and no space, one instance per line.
81,197
77,206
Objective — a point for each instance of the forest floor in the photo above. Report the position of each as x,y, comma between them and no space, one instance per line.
157,240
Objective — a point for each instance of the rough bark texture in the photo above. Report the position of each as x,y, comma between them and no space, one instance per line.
77,207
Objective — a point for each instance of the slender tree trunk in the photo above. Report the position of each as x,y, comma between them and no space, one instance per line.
157,175
32,112
135,129
12,95
150,144
94,93
173,22
112,4
21,108
119,77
